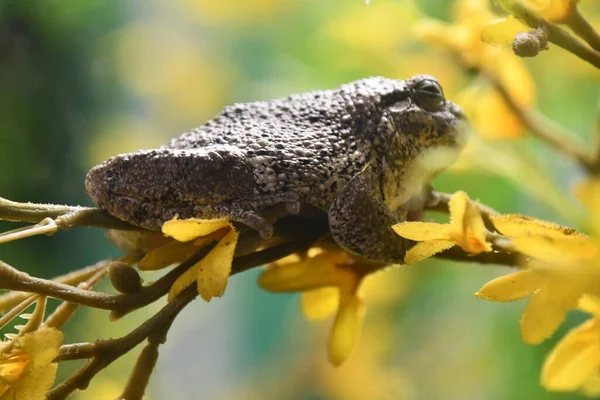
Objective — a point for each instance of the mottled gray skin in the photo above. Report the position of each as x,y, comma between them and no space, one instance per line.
364,152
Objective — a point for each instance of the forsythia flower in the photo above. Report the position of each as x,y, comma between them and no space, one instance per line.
341,278
26,368
466,229
566,265
212,271
553,10
504,30
575,361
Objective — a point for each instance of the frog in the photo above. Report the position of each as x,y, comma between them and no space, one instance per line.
364,154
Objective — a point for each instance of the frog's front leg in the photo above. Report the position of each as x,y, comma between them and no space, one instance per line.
361,222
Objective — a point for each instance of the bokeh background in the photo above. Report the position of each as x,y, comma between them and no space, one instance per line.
81,81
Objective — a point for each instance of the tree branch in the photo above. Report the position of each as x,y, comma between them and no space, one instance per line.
543,128
582,28
66,216
105,351
559,36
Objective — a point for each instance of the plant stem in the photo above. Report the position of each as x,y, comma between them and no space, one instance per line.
582,28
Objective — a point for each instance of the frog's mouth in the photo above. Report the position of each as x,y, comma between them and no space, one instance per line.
137,207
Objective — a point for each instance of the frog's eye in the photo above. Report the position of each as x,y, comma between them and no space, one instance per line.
429,95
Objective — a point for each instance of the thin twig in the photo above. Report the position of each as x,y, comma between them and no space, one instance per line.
17,310
65,311
495,258
108,350
11,299
120,304
543,128
140,375
582,28
559,36
68,216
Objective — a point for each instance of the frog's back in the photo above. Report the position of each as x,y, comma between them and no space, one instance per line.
310,143
300,149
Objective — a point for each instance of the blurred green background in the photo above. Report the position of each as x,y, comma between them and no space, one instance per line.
81,81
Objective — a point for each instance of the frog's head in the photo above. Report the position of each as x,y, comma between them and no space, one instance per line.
414,131
416,121
408,119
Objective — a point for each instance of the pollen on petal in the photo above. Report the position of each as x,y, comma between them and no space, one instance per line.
458,208
515,225
424,250
557,250
421,231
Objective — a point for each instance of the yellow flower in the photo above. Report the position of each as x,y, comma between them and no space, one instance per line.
565,266
340,278
553,10
575,361
212,271
466,229
504,30
26,368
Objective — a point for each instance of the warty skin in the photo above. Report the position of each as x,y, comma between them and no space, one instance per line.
364,153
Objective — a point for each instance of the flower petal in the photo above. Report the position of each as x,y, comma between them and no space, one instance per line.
320,303
591,387
515,225
185,230
10,370
212,272
41,346
475,223
214,269
503,30
186,279
168,254
573,361
473,238
512,287
421,231
589,304
34,385
310,273
424,250
557,250
458,208
546,310
346,330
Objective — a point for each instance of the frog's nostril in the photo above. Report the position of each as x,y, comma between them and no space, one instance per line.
458,112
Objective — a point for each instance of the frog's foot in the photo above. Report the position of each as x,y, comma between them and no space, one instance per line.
260,214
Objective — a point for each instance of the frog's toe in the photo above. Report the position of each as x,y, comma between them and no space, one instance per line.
263,226
292,207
